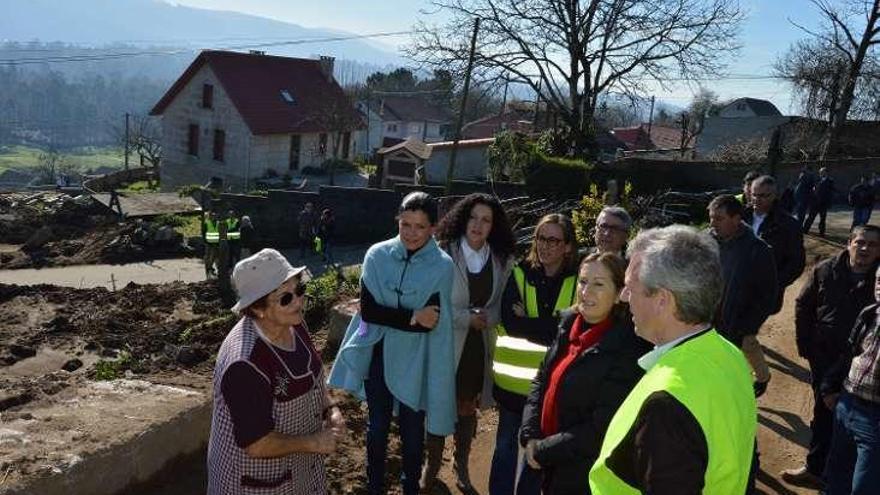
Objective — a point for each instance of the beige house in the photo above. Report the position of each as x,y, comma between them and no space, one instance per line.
239,117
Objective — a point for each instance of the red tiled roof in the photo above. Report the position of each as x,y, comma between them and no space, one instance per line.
635,138
254,83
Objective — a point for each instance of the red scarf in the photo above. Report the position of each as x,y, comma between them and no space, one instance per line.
578,342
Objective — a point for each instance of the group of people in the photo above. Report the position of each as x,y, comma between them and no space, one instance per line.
238,234
316,232
631,367
812,196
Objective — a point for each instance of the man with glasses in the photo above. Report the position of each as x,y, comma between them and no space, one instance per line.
780,230
612,231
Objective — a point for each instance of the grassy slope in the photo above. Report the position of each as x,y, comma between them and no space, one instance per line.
23,157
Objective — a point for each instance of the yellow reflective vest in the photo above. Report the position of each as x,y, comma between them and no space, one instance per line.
212,234
712,379
232,230
516,360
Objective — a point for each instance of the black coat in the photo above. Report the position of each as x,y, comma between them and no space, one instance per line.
827,307
590,392
750,286
783,233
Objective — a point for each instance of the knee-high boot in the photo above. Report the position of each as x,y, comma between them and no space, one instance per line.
465,431
433,460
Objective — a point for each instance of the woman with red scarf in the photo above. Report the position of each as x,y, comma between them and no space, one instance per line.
587,373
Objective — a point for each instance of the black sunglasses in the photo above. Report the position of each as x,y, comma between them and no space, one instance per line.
287,297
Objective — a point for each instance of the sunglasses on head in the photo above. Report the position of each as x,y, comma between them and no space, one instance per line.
287,297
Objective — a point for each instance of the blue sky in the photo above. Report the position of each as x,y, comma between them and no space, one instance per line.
766,33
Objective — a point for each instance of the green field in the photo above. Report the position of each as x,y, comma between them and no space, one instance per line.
24,157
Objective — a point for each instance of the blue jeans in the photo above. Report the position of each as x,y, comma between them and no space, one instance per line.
411,425
854,460
502,476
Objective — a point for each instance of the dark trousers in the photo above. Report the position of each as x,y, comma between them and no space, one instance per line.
502,476
861,215
820,426
854,461
411,425
801,208
816,210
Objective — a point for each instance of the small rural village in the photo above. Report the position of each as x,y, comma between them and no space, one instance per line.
239,255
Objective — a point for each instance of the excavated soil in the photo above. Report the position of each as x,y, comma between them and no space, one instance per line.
51,229
53,339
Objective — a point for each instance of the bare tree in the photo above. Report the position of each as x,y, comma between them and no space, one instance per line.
145,139
704,105
571,52
53,164
836,71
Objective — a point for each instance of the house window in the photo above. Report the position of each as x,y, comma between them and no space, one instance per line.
415,128
208,96
192,144
322,143
219,144
293,163
392,127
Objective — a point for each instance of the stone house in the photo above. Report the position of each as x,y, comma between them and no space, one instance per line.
394,119
238,117
744,120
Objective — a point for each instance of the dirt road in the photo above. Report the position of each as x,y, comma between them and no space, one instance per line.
90,276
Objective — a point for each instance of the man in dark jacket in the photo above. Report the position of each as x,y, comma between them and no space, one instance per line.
852,391
749,275
826,310
821,201
803,193
780,231
861,198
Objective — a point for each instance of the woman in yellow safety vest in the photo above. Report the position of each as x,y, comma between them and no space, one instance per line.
539,288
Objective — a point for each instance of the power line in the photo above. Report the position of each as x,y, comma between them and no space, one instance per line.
141,53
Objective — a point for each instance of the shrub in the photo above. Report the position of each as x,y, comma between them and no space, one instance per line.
557,177
324,291
170,220
584,216
509,156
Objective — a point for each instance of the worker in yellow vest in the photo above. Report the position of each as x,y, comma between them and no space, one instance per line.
539,288
233,236
211,236
688,426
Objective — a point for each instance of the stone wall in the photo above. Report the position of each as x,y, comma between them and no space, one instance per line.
652,176
363,215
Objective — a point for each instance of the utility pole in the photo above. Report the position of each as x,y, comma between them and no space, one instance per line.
651,117
126,140
450,173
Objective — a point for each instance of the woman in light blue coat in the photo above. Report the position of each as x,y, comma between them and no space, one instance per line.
398,351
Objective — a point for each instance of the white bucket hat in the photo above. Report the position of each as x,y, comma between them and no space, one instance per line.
262,273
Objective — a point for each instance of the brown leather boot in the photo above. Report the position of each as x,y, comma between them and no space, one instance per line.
465,431
433,461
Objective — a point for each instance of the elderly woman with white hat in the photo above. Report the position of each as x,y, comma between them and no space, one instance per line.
273,421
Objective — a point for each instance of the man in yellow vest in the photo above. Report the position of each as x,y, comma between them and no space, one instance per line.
211,236
688,426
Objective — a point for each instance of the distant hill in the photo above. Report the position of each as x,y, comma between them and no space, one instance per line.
97,23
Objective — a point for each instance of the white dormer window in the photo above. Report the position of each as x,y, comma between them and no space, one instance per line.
285,94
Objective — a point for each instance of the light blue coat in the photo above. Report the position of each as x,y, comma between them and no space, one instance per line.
419,367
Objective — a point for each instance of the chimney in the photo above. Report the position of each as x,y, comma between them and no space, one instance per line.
327,66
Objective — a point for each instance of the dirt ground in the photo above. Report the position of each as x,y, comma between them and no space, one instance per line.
52,338
52,229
